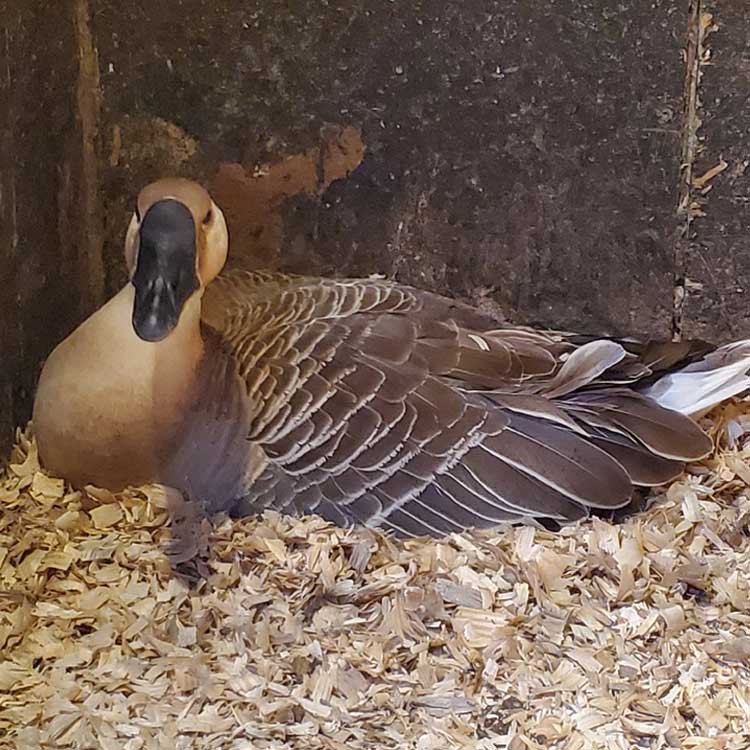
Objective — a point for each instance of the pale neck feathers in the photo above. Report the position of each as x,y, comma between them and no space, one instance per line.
104,390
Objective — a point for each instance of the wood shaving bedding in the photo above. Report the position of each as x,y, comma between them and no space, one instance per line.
128,623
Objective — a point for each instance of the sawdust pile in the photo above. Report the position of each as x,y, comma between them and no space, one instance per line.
282,633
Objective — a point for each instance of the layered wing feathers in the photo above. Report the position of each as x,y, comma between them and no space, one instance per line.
373,409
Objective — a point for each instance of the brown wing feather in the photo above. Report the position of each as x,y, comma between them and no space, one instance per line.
374,407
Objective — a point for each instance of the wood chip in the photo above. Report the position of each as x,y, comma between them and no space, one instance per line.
701,181
106,515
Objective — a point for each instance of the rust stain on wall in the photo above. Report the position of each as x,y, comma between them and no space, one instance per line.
252,199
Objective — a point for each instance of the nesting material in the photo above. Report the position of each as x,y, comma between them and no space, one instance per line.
127,623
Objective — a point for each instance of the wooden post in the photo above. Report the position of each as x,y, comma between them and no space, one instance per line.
50,256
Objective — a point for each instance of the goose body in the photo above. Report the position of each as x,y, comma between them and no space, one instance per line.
362,400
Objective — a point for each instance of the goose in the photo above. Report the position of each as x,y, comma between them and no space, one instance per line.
364,401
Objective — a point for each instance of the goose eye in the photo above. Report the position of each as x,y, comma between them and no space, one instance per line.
207,218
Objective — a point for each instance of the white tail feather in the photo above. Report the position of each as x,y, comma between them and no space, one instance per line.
699,387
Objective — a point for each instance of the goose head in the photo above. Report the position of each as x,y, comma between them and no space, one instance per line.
176,244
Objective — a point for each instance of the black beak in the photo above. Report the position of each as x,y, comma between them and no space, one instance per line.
165,276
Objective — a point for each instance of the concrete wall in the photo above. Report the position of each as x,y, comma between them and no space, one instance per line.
540,159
